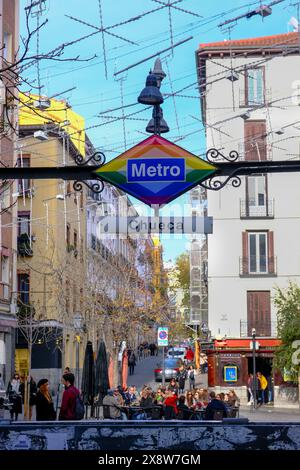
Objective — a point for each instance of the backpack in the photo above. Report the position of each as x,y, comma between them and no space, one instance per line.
79,408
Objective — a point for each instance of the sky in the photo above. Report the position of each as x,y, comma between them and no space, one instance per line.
97,90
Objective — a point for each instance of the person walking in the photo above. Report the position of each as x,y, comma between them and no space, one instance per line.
263,387
67,410
189,355
14,396
131,363
191,377
181,378
32,393
44,403
250,383
2,386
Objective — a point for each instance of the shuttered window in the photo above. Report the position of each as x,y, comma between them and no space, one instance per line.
258,253
255,141
259,312
254,89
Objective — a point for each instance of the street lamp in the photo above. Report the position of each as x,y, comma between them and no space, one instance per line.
77,322
152,96
254,367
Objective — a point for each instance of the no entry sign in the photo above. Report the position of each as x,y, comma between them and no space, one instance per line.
163,336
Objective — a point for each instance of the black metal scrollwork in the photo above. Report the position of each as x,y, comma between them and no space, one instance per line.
215,183
213,154
97,157
95,186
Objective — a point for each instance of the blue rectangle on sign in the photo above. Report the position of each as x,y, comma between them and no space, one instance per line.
155,170
230,374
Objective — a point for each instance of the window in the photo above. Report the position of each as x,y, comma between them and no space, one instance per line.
256,196
259,312
7,44
23,185
75,240
24,223
255,142
23,288
255,87
68,235
258,252
5,277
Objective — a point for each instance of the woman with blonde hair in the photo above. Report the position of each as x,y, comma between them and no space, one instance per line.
44,404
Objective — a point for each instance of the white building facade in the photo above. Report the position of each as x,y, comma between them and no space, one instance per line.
249,94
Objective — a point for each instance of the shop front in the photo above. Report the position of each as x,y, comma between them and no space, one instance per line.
231,361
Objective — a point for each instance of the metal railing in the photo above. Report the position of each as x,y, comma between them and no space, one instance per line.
263,328
258,266
248,209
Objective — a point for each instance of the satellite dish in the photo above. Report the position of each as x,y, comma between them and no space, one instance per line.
293,22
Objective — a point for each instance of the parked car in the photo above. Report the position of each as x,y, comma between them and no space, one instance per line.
171,368
176,353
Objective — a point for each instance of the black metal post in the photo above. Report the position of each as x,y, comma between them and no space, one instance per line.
163,367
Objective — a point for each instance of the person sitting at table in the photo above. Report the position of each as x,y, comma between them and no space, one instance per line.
173,387
190,399
215,409
112,401
159,397
130,396
146,398
183,409
170,403
233,398
197,401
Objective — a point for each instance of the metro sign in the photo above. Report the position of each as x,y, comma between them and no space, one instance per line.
156,171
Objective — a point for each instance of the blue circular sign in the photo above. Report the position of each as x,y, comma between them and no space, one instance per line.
163,335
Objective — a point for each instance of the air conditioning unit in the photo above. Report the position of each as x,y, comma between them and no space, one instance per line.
40,135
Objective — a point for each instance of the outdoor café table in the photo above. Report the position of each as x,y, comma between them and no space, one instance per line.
130,410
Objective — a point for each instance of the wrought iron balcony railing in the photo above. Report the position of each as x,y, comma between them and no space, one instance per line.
263,328
250,210
258,266
24,245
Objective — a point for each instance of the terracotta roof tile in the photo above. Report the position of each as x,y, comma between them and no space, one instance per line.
276,39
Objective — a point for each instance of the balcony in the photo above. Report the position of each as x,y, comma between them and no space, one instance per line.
249,210
24,245
264,328
254,266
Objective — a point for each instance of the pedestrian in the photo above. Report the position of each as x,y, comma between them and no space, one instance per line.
44,403
131,363
250,383
2,386
67,370
189,355
181,378
31,384
14,396
263,387
67,409
270,389
191,377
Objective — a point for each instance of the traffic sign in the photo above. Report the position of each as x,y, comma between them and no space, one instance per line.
163,336
156,171
144,225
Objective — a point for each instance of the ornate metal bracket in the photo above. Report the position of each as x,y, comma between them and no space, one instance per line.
97,157
214,156
95,186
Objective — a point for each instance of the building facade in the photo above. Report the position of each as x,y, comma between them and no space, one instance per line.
9,40
250,104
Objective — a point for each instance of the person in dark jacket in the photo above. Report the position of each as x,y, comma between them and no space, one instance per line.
44,404
32,393
131,362
215,407
14,396
181,378
67,409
